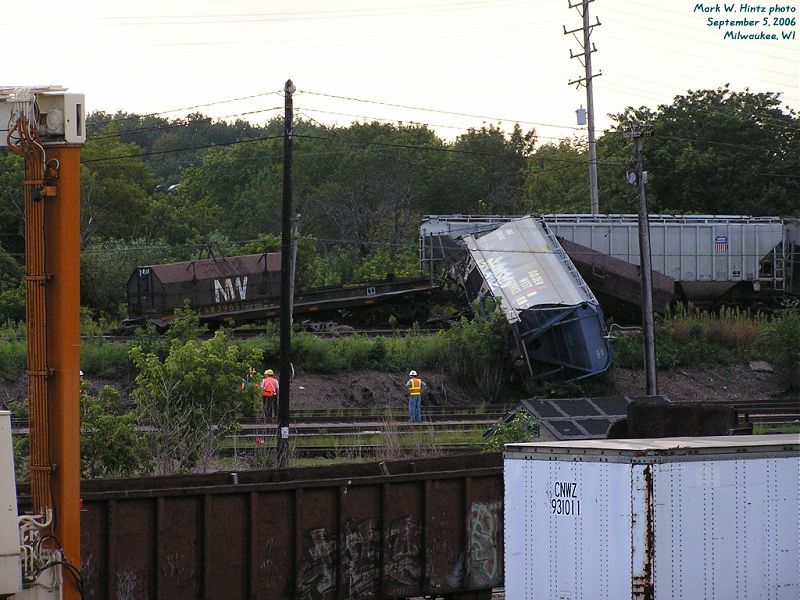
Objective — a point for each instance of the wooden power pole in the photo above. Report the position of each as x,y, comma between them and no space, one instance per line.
645,263
585,58
282,446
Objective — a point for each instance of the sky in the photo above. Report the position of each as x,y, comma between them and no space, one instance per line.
452,64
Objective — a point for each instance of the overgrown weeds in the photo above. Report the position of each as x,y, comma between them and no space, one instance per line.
688,336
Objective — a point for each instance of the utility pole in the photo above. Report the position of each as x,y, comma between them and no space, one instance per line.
286,281
645,263
585,58
295,234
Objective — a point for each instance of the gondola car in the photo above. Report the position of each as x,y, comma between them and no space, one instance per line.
246,288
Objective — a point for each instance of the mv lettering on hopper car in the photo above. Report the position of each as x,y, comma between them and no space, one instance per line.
229,290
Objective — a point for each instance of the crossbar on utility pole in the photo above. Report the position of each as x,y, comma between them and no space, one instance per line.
646,266
585,58
282,446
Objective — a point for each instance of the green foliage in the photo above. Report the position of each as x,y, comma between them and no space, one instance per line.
381,262
22,457
115,189
150,341
12,291
103,359
106,266
556,179
11,201
110,445
751,135
780,340
186,324
695,337
492,167
475,352
192,398
522,427
12,357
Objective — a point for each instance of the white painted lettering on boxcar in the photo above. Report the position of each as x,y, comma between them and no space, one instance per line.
227,290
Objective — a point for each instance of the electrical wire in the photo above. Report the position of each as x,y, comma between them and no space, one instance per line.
196,106
177,125
200,147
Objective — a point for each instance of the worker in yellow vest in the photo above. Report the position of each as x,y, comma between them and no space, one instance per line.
415,385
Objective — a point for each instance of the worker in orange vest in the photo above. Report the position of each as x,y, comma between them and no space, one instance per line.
269,394
415,385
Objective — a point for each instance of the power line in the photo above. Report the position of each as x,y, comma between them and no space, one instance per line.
176,125
433,110
201,147
196,106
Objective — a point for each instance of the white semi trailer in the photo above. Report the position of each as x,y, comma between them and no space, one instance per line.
653,519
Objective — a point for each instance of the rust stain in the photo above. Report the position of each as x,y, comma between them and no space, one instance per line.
642,585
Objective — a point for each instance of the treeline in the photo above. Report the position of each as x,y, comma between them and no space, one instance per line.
156,189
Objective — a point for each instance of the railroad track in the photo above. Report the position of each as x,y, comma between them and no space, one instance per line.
355,420
772,411
352,451
322,329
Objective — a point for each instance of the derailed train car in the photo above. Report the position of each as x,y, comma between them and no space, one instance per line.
557,324
714,260
247,288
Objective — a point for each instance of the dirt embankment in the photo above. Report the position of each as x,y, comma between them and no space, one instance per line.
734,383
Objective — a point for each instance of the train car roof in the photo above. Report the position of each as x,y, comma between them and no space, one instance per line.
213,268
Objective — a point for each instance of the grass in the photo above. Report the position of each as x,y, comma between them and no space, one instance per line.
693,337
407,440
764,428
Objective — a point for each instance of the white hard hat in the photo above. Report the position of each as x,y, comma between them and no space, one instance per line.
412,374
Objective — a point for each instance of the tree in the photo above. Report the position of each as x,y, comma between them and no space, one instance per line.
192,399
11,202
716,152
12,290
557,179
106,266
377,187
492,166
115,190
110,444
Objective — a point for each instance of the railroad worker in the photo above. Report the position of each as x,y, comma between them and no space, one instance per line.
269,394
415,385
249,379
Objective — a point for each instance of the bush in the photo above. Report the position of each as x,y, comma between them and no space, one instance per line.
522,427
780,342
13,355
192,399
476,352
315,356
692,337
12,304
103,359
110,444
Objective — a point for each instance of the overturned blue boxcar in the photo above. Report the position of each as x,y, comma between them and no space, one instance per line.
557,324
